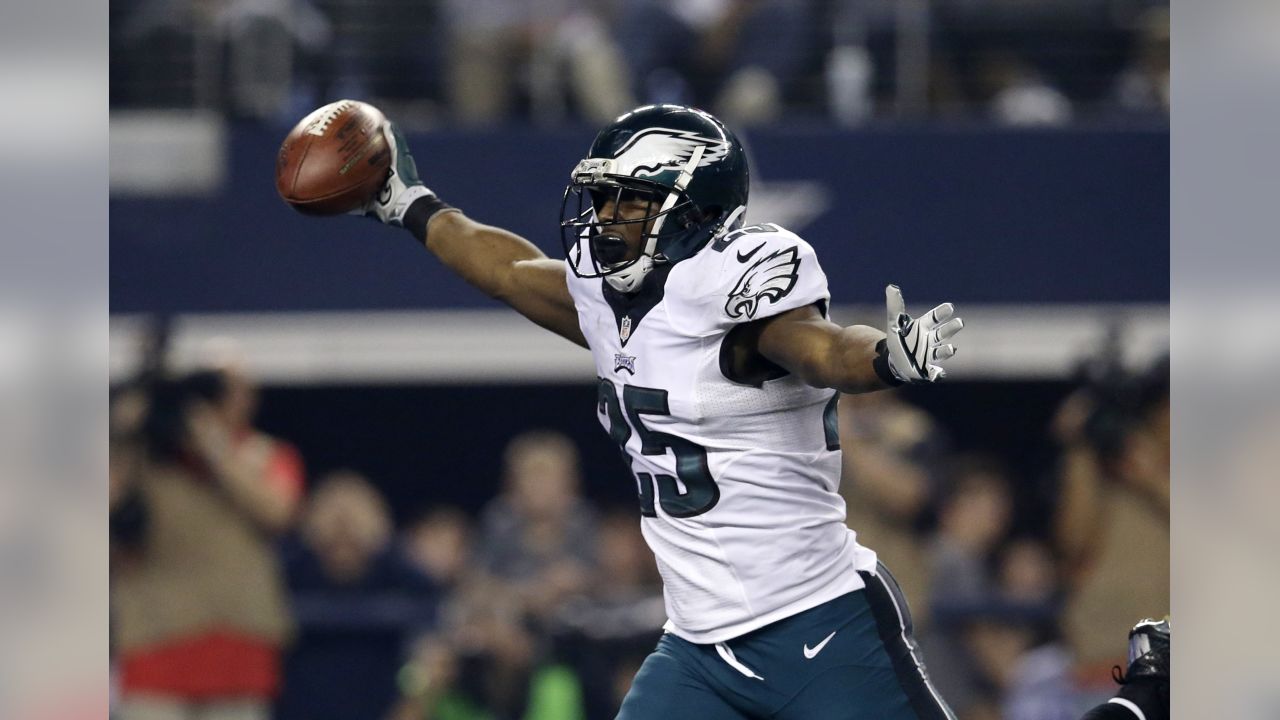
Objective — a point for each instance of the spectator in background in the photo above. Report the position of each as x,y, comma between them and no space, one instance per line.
1005,644
1028,573
283,465
1038,684
1018,94
164,49
1022,665
974,515
439,544
241,56
390,53
357,601
738,57
1112,528
199,610
498,48
1143,87
485,664
607,632
892,453
539,535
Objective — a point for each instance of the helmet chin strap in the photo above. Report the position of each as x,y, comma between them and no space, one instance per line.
628,279
727,225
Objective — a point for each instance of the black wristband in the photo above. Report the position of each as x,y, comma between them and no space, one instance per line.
420,213
881,365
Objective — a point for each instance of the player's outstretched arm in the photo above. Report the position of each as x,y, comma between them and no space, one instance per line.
499,263
506,267
859,358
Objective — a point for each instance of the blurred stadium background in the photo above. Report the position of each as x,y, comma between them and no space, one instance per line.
460,538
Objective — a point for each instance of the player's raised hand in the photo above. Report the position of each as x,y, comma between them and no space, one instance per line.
917,345
403,185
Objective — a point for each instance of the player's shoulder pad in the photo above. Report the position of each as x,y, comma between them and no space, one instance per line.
762,270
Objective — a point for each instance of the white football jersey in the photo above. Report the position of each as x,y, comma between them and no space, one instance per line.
737,482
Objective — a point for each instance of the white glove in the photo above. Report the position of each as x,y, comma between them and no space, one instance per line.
403,185
915,345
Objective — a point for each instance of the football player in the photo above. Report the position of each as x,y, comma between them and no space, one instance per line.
718,373
1144,688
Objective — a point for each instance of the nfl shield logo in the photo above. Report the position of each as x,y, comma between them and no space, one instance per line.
624,330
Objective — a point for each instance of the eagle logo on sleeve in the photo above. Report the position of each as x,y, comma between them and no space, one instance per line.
771,278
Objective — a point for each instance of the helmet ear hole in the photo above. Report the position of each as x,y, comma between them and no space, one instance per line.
682,218
693,216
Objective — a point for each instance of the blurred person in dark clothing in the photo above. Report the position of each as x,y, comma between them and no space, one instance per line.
1143,86
484,663
539,535
607,632
240,56
738,56
197,498
1004,645
440,545
1022,666
357,600
1028,573
625,569
974,515
1039,683
390,54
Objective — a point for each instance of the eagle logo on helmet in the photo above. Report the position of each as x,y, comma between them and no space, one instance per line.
657,150
771,278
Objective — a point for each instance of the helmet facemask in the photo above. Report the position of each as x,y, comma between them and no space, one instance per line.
593,245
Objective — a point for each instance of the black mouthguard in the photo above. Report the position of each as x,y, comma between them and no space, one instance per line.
609,248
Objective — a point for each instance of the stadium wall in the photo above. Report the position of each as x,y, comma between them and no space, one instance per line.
373,355
1064,216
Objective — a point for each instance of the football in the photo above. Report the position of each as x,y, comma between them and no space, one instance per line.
334,160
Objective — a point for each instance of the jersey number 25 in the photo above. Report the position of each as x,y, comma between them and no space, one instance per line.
700,492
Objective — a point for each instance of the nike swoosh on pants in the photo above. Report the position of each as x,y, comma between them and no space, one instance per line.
810,653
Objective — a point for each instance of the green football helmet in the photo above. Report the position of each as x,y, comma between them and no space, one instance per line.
684,162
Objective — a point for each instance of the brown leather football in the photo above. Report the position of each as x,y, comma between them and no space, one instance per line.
335,160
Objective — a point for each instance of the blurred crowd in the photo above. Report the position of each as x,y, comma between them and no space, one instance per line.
243,589
1023,584
484,62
